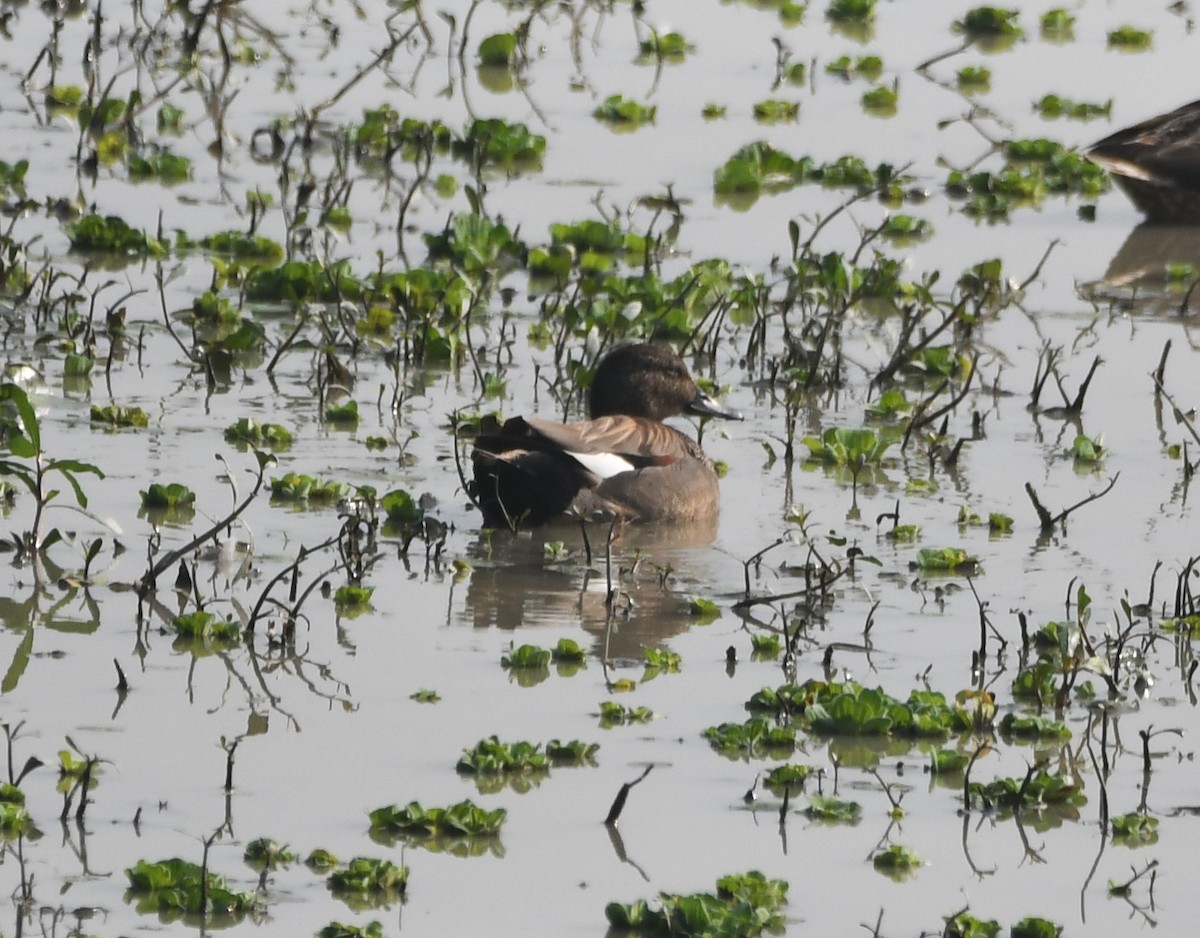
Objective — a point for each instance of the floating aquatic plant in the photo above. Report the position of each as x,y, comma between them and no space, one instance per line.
853,11
615,714
370,881
181,886
492,757
625,112
165,167
669,45
110,234
881,100
263,853
790,775
464,819
206,626
12,175
988,22
1135,829
964,925
974,79
340,930
499,50
775,111
1057,25
1051,106
526,656
946,560
757,738
833,810
247,430
1035,928
1130,38
897,861
747,904
171,495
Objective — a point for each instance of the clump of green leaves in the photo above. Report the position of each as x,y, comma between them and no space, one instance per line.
1088,451
266,854
12,175
14,819
776,111
321,860
659,661
869,67
906,229
965,925
294,487
759,167
1052,106
1033,927
368,877
464,819
492,757
1033,169
990,22
833,810
851,11
974,79
896,860
572,752
1135,829
169,496
1038,790
352,599
251,250
847,446
615,714
249,431
882,99
526,656
567,651
340,930
498,51
670,46
1130,38
181,886
744,905
790,775
756,738
946,560
624,112
109,234
164,167
765,645
202,625
495,142
1058,24
115,417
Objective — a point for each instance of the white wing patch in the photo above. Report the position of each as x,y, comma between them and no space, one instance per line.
604,465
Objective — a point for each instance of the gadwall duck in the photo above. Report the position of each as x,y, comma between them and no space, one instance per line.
1157,163
623,464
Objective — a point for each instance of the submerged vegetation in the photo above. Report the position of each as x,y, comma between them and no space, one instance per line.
261,288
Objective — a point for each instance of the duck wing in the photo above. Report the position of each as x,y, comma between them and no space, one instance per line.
1163,148
641,442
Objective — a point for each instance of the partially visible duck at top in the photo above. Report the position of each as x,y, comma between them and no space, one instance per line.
624,463
1157,163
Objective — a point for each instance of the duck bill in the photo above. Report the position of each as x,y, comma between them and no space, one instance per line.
708,406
